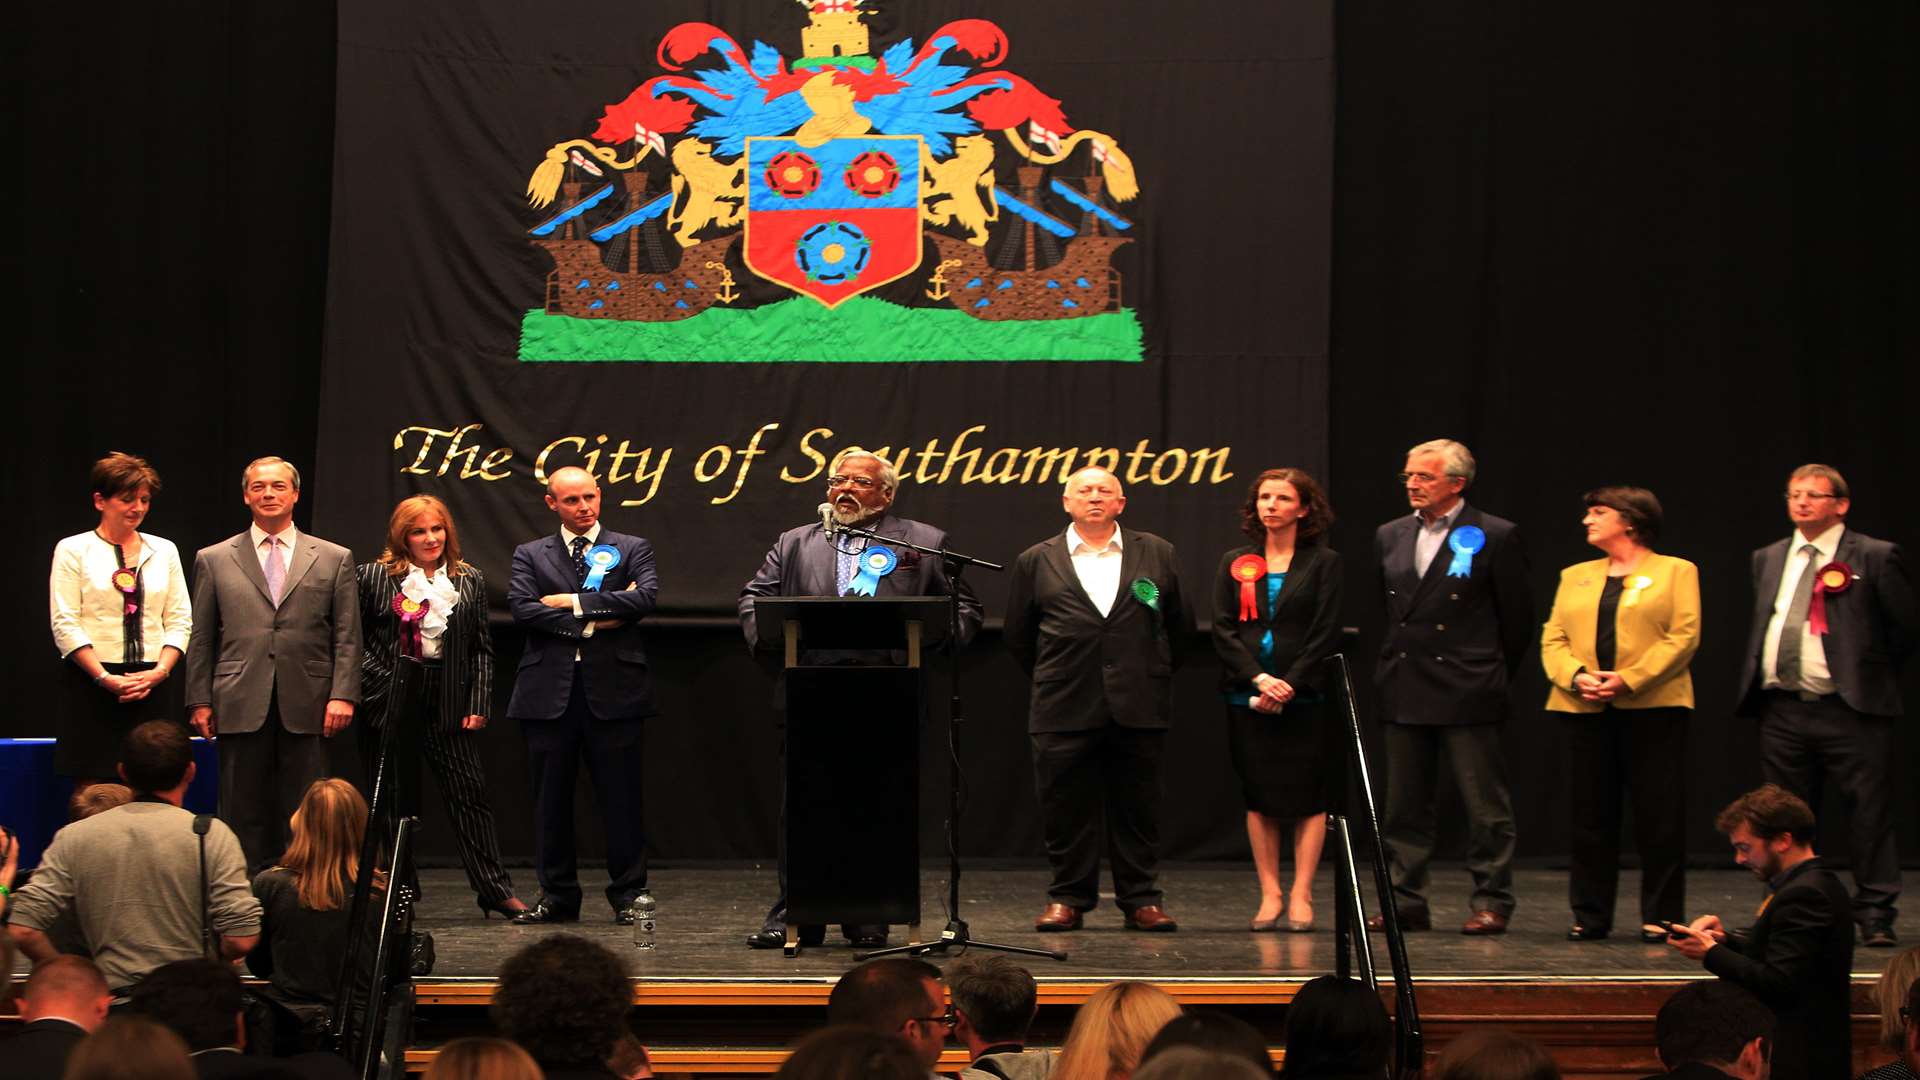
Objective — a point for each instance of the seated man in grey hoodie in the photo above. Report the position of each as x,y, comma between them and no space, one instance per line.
993,1003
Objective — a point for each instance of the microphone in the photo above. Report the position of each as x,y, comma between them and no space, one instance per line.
825,510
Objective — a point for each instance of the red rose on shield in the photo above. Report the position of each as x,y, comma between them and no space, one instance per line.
873,174
792,174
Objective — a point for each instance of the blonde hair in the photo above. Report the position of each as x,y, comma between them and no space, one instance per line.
1891,995
97,799
1111,1029
130,1048
483,1058
324,854
396,559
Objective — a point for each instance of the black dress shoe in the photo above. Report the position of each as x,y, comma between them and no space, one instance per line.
773,935
544,912
1581,932
629,912
869,940
1879,935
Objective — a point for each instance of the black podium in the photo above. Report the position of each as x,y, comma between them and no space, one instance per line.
855,700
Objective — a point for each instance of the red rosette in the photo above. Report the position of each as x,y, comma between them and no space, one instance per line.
1246,570
126,580
1834,578
410,611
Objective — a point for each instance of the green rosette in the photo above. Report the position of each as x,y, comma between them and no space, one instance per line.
1145,591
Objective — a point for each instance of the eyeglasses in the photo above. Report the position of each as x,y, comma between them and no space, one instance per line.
1421,478
861,482
1814,495
946,1019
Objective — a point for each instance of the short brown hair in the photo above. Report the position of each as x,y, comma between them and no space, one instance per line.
1768,811
395,557
1319,512
1636,504
123,474
1494,1055
246,474
1825,472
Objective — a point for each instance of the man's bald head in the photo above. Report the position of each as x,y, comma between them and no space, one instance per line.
574,496
1090,474
1093,499
67,987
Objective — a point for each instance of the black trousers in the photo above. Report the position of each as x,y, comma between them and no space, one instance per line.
455,763
1806,746
612,753
1476,755
1100,788
263,776
1638,753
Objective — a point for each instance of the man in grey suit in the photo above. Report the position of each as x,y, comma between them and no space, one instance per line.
1833,619
805,561
274,662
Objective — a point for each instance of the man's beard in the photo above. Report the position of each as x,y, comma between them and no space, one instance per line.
854,516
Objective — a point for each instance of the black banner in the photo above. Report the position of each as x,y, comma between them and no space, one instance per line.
698,248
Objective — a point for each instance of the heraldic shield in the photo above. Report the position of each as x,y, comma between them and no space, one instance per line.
834,219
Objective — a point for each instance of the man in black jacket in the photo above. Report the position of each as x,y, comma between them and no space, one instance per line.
1714,1029
65,999
1799,953
1090,616
1459,624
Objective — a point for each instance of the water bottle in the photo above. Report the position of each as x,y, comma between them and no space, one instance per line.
646,918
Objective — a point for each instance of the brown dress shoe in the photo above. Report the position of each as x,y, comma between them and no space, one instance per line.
1408,923
1056,918
1152,917
1485,922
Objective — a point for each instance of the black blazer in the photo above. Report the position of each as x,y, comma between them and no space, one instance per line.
618,686
1452,644
1871,627
1090,671
1797,959
40,1049
466,648
1305,625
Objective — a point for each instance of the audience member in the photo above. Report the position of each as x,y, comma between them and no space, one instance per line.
994,1001
482,1058
837,1053
130,1048
97,798
1494,1055
134,875
1798,956
895,996
1906,1039
1337,1030
306,899
64,1000
565,999
629,1059
203,1002
1711,1030
1215,1032
1890,993
1195,1063
1111,1029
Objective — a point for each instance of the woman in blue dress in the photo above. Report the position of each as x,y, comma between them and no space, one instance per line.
1276,618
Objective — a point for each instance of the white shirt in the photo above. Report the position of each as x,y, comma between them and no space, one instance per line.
87,610
1815,678
286,536
567,537
442,596
1429,539
1097,568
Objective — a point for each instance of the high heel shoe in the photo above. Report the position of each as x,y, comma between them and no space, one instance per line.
488,910
1259,926
1300,926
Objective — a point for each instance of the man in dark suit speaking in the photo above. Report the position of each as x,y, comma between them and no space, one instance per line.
583,691
1090,616
273,665
1459,623
1833,620
805,561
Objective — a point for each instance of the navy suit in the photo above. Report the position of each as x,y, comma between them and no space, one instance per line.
1846,738
1451,648
591,707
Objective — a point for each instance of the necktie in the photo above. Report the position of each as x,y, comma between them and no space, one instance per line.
1786,664
579,560
276,570
845,563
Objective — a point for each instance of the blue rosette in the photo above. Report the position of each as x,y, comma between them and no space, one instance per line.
875,563
1466,542
600,559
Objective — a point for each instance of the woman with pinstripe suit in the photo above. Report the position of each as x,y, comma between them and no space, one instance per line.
418,599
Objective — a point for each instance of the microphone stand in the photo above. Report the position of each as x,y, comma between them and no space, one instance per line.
955,935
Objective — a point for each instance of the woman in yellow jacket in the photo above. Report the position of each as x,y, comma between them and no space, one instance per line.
1616,649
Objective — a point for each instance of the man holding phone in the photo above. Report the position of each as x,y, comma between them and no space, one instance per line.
1797,956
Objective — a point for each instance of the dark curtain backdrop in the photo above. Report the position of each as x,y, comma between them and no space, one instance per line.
1659,245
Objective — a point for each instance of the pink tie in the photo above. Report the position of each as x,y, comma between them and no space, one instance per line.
276,570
